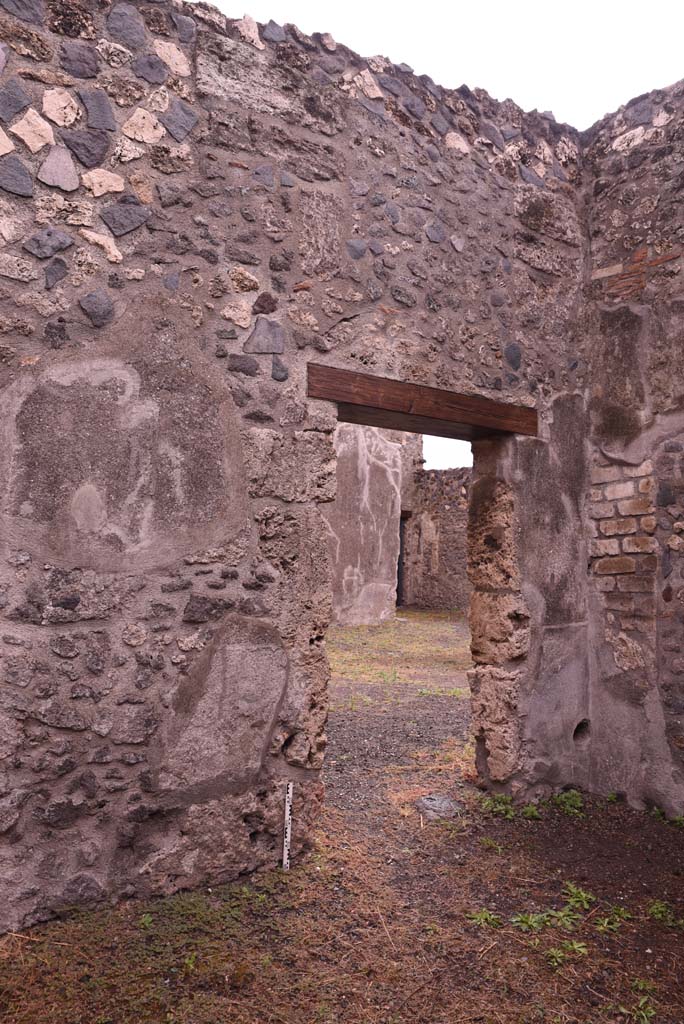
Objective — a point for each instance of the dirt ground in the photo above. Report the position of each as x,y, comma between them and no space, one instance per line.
569,913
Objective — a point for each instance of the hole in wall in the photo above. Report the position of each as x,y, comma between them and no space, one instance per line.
581,733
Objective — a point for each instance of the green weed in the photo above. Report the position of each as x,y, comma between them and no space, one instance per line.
567,918
660,910
643,1012
575,948
499,805
613,920
555,957
530,922
578,899
641,985
485,919
570,802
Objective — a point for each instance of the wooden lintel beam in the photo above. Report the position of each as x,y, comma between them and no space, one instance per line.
396,405
371,417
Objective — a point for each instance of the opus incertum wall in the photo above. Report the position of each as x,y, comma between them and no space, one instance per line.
434,550
191,210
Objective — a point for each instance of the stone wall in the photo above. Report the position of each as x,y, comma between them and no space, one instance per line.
434,562
636,436
363,522
193,208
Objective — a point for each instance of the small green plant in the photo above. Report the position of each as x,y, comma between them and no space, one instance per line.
530,922
574,948
612,798
190,962
570,802
531,812
555,957
145,920
659,814
490,844
567,918
642,985
643,1012
499,805
578,899
485,919
660,910
677,821
613,920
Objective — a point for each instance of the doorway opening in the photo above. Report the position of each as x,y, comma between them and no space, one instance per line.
399,643
399,646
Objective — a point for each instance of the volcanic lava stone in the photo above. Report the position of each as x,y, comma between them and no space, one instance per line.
15,177
150,68
126,215
273,33
357,248
491,132
439,123
125,24
264,175
528,175
13,100
403,296
249,259
98,109
47,242
185,27
55,272
79,59
438,805
267,337
202,609
513,354
98,307
179,119
246,365
392,212
32,11
414,105
279,370
280,261
435,231
265,303
88,146
55,333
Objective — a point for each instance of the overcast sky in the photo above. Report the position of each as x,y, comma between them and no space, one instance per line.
580,59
